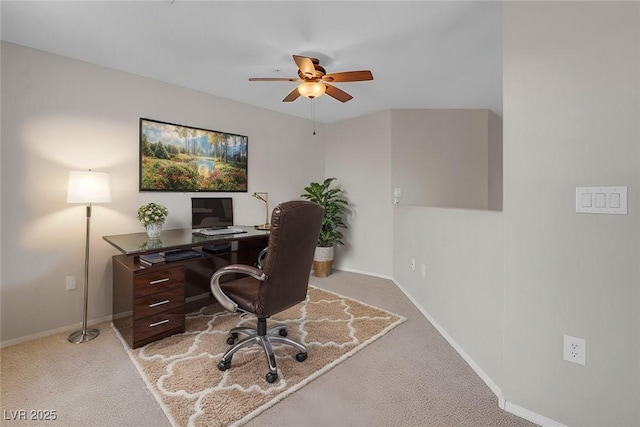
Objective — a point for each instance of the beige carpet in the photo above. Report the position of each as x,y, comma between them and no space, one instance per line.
410,377
181,370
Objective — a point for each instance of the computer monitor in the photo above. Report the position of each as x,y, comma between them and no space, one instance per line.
211,212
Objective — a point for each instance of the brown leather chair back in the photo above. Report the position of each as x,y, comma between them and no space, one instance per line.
295,227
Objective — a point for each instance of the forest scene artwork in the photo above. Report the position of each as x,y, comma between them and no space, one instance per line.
184,158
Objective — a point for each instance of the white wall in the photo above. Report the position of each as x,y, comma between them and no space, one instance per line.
59,114
358,153
571,118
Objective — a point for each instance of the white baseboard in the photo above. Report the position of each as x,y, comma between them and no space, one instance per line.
68,328
366,273
531,416
502,402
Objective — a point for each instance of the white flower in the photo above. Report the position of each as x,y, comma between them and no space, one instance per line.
152,213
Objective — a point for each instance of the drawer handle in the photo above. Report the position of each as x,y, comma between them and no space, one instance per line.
158,303
159,323
155,282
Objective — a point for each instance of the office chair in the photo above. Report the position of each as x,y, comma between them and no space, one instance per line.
281,282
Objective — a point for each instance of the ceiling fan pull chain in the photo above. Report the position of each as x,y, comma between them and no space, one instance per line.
313,116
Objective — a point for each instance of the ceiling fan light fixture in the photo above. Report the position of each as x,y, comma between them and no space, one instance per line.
311,89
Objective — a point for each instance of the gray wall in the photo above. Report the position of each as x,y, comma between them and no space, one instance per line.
59,114
571,118
505,287
462,289
496,155
357,154
444,158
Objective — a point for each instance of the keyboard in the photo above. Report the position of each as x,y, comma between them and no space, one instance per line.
180,255
218,231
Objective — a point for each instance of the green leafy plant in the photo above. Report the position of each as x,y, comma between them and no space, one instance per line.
152,213
335,206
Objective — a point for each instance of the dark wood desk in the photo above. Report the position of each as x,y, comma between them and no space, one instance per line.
149,302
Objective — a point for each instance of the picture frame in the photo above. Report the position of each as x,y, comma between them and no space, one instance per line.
180,158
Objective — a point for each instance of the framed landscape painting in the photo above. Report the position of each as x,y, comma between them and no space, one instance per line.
184,158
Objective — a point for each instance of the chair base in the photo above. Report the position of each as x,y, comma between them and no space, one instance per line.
263,337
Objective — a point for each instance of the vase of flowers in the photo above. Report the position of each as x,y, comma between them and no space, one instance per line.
152,216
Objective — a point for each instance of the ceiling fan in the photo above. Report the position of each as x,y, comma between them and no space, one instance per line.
315,80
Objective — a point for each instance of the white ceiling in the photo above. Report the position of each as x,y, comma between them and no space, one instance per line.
423,54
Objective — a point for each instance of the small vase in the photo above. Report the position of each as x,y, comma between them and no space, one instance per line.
154,230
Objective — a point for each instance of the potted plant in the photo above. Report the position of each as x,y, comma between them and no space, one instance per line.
335,206
152,216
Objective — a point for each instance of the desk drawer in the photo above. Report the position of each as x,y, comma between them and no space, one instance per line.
158,281
158,324
159,302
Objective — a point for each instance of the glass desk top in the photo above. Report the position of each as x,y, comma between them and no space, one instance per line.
137,243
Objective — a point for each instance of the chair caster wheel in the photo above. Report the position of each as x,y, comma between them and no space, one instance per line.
232,339
301,357
271,377
223,366
283,332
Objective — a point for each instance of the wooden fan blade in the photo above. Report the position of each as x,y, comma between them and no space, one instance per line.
274,79
305,65
349,76
338,94
292,96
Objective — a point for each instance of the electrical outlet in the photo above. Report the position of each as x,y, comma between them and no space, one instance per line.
575,350
413,263
71,283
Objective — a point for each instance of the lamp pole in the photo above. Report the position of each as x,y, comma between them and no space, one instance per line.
87,187
85,334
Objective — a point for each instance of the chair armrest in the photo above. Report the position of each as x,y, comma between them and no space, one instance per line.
222,298
261,256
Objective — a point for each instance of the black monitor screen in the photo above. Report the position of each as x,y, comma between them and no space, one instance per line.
211,212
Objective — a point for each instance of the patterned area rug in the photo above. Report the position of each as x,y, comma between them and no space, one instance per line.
181,371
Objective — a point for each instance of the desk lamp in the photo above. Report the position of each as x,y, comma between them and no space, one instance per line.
265,198
87,187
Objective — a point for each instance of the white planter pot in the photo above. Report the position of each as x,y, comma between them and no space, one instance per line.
322,261
323,254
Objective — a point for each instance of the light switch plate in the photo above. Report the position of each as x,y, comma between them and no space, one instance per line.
601,200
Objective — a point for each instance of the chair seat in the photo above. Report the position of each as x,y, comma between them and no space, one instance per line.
245,293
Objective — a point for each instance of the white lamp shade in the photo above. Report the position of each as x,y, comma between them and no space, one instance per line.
88,187
311,89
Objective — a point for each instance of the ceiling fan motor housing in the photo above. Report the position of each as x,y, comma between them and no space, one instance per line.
320,71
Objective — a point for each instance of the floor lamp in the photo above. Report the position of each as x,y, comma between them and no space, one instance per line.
87,187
